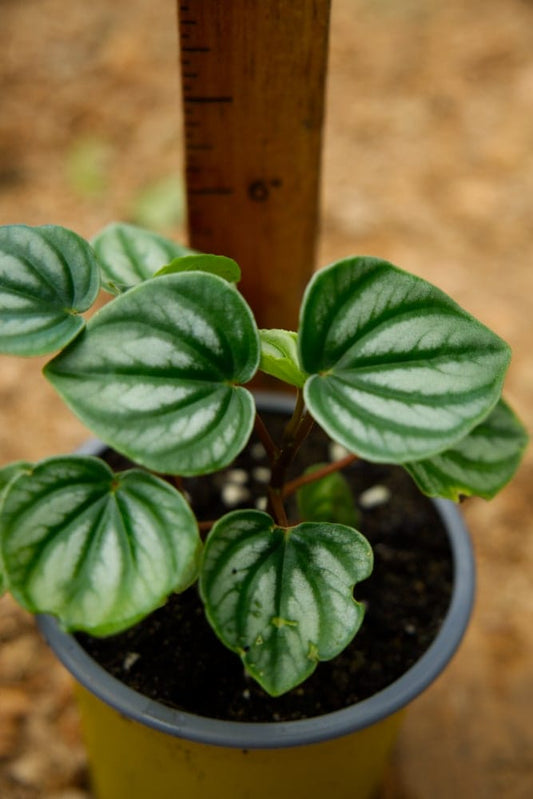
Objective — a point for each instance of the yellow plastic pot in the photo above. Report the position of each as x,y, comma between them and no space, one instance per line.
140,749
348,766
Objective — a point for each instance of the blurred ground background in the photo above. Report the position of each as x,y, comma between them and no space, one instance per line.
429,163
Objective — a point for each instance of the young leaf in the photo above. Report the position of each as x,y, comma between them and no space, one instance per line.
98,550
155,374
279,356
282,599
480,464
219,265
7,475
399,371
128,255
48,276
328,499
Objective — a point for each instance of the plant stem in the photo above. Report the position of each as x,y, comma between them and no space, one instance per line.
264,436
295,432
304,479
178,482
205,527
276,506
291,428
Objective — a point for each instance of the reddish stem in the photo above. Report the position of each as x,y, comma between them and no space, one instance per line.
304,479
276,507
264,436
205,527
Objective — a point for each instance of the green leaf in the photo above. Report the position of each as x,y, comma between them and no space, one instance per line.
129,255
98,550
282,599
399,371
219,265
48,276
7,475
155,374
279,356
480,464
10,472
328,499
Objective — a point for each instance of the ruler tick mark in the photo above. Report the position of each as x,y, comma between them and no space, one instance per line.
208,99
211,190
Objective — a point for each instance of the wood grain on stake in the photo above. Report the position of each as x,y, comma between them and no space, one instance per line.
253,78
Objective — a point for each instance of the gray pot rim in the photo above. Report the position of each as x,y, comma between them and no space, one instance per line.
269,735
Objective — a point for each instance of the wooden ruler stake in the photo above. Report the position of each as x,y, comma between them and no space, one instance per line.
253,77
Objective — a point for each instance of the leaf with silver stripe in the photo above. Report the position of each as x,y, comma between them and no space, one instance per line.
156,374
128,255
399,371
283,598
481,464
48,277
99,551
7,475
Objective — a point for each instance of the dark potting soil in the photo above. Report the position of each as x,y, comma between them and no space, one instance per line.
173,656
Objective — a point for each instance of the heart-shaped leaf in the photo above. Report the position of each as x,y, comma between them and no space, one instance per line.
327,499
155,374
48,276
399,371
7,475
129,255
480,464
98,550
279,356
283,598
219,265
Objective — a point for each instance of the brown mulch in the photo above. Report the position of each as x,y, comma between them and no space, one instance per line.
41,753
428,162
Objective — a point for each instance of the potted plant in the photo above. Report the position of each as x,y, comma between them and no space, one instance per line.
387,365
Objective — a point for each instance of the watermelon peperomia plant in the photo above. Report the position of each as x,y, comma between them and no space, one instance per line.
387,364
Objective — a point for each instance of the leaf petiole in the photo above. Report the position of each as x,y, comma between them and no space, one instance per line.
272,450
293,485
